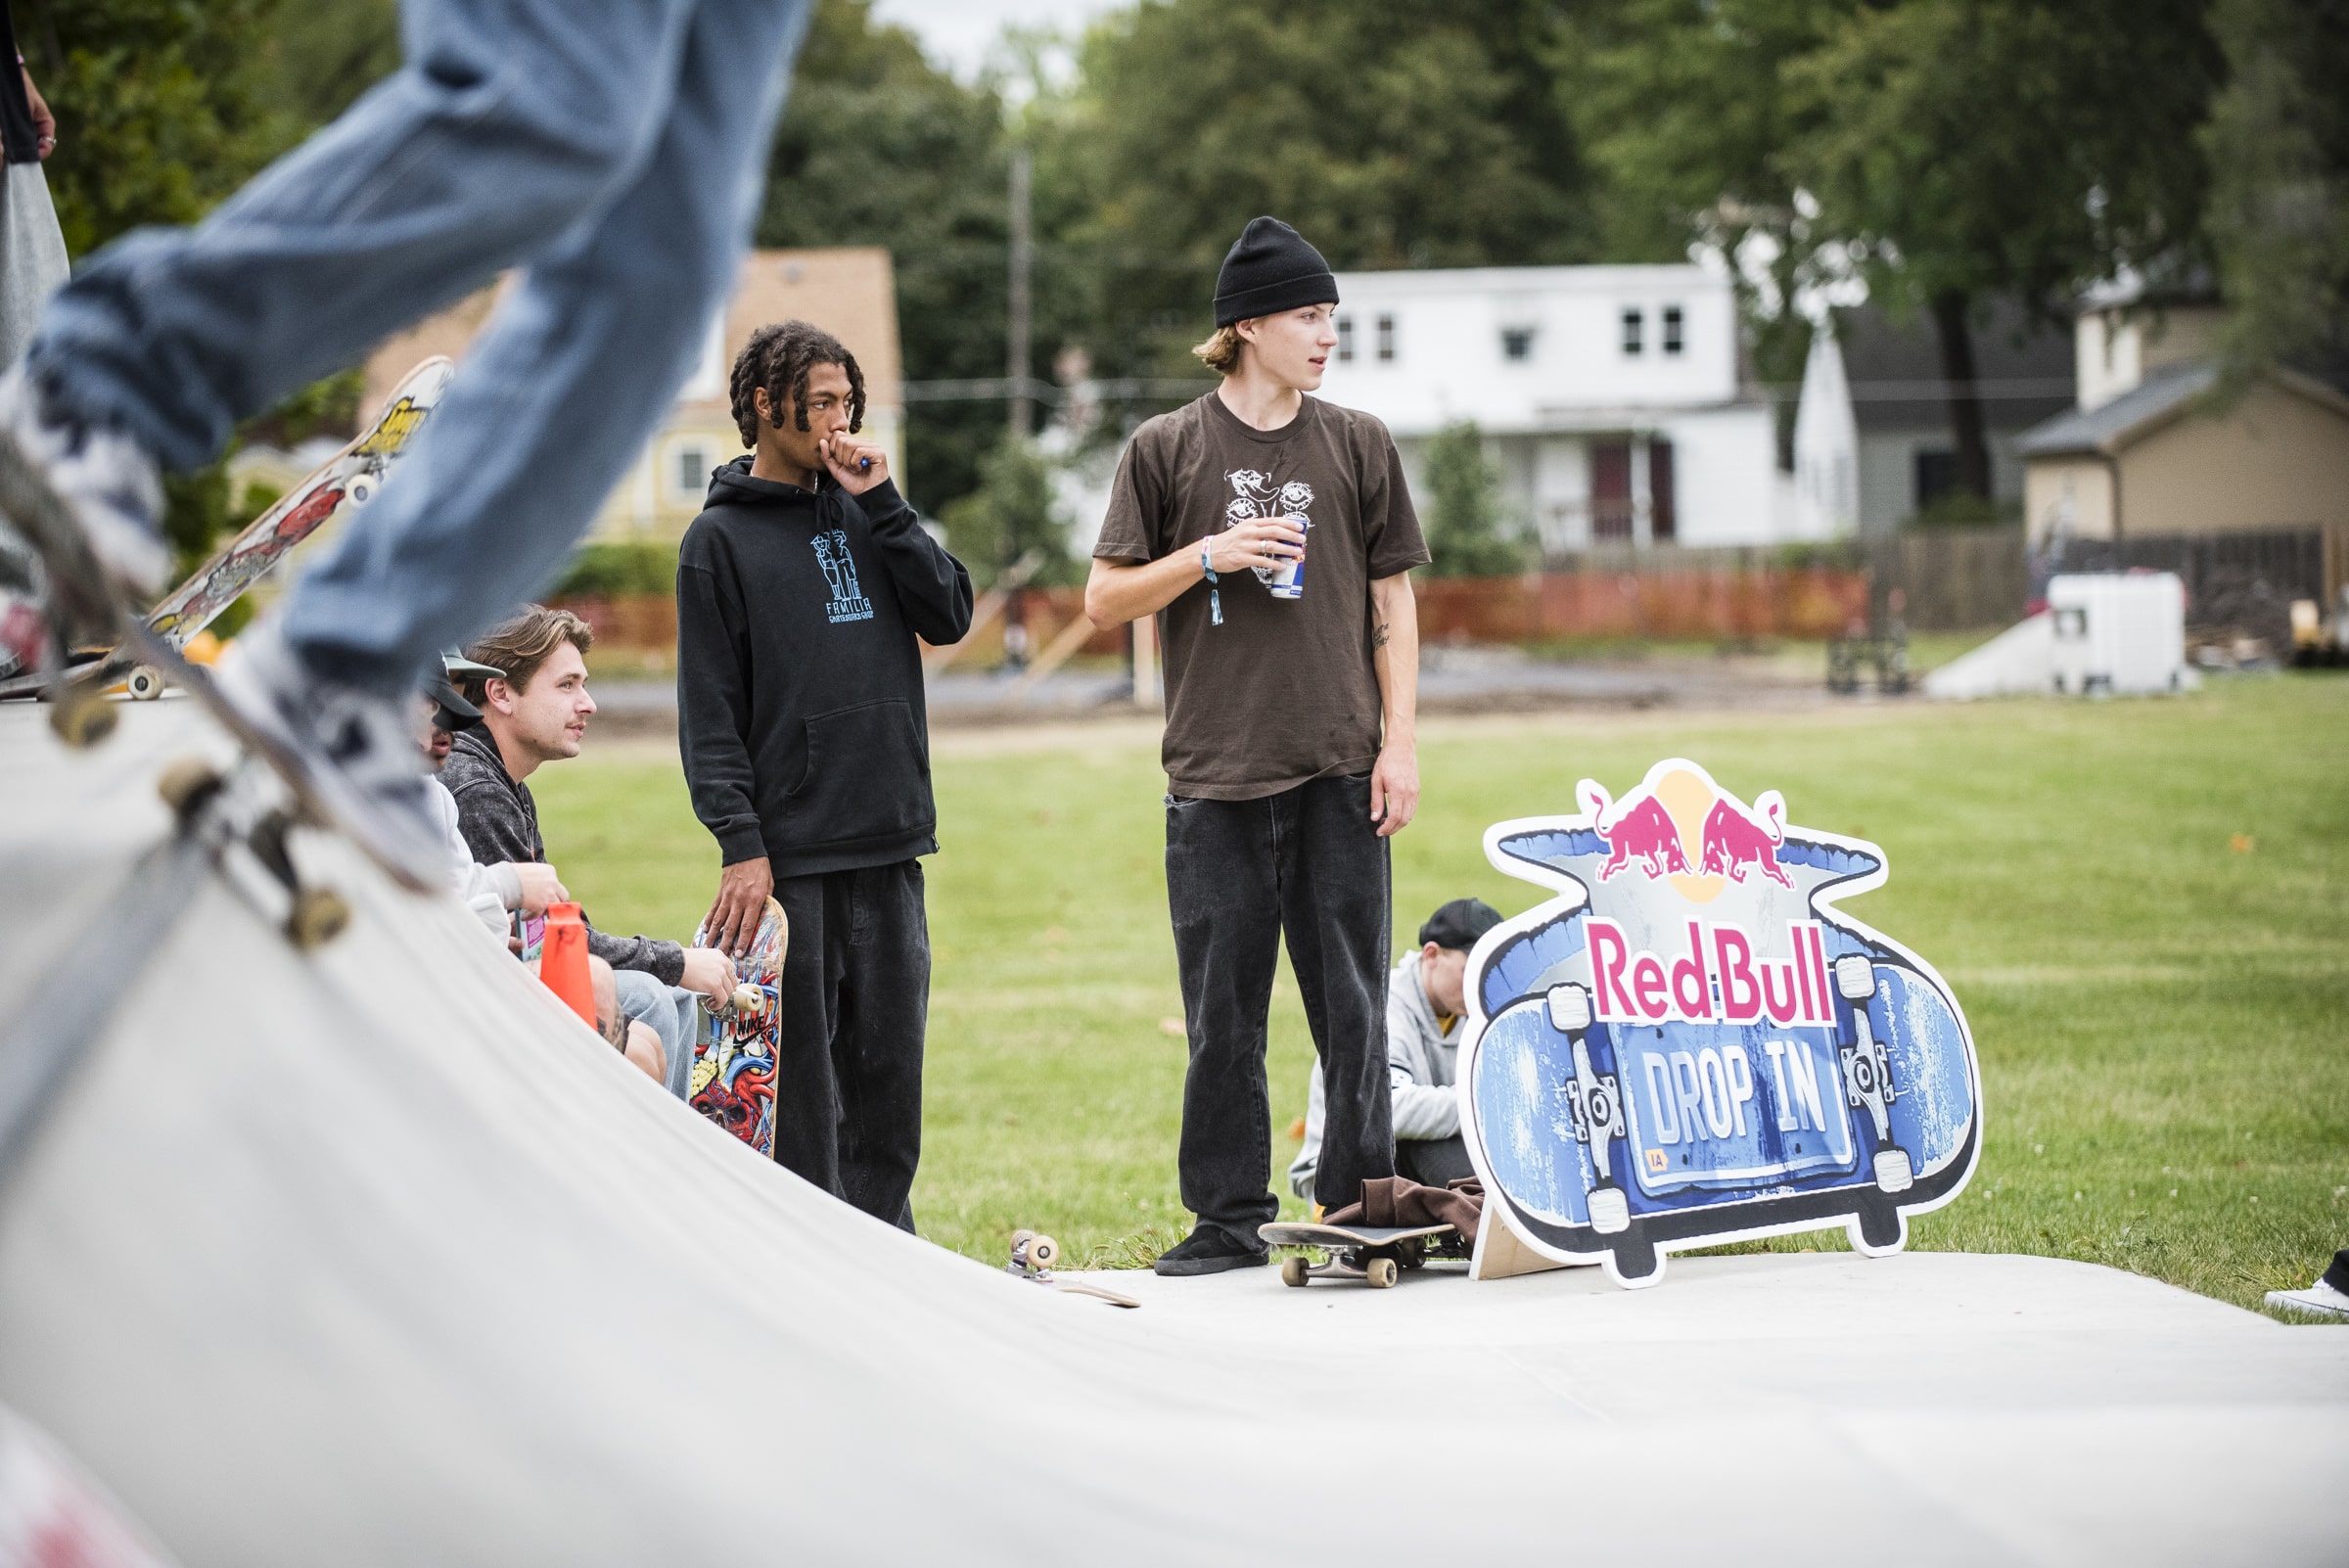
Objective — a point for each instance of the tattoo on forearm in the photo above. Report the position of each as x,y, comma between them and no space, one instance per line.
1378,636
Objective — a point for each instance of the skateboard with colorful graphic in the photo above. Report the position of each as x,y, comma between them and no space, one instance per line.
736,1046
1371,1254
341,484
1032,1259
1690,1044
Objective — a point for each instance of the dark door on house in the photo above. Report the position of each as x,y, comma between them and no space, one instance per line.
1611,491
1662,525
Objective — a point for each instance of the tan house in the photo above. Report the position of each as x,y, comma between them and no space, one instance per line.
851,293
2149,452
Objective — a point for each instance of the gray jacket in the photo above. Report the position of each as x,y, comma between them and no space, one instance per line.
1422,1066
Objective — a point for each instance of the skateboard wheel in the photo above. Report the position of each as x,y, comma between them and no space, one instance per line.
186,783
81,718
145,683
1855,976
1610,1211
1569,1010
1380,1271
1293,1270
748,999
1043,1252
318,917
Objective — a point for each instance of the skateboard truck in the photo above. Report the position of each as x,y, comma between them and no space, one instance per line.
1032,1259
1594,1099
195,791
1868,1070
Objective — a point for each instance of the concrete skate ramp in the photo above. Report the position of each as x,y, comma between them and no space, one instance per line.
377,1256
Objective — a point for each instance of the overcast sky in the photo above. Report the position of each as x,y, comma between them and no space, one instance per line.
958,33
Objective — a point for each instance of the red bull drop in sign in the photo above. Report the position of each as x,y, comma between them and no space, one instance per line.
1690,1045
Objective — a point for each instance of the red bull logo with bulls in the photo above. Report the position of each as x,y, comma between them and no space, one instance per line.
1690,1044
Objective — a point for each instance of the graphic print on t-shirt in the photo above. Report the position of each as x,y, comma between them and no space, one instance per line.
848,602
1256,495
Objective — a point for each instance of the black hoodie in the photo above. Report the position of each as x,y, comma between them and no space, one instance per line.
800,705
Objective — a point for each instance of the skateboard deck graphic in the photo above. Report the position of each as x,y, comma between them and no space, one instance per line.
344,483
734,1048
1373,1254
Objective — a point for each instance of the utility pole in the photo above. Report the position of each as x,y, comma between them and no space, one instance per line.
1023,257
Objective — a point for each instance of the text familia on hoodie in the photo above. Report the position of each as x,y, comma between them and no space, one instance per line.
800,708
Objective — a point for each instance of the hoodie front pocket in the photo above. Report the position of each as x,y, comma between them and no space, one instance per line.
866,775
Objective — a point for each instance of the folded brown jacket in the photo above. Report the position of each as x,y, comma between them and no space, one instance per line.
1401,1201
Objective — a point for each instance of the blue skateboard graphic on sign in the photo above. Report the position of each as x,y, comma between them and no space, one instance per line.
1689,1046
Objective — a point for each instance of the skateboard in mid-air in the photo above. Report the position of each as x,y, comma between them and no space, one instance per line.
735,1045
342,484
1033,1256
82,607
1371,1254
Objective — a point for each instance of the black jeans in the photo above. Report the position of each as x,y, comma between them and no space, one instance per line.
856,1004
1308,864
1433,1162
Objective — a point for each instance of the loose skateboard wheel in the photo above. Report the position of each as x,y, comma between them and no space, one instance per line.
1294,1270
81,718
145,683
186,783
1380,1273
318,917
1043,1252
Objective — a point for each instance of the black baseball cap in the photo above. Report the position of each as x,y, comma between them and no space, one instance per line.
1459,923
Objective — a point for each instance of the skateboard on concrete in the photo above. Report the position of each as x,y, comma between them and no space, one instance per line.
1371,1254
83,607
736,1046
1032,1259
342,484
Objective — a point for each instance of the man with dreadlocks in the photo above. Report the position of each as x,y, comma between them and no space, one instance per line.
801,590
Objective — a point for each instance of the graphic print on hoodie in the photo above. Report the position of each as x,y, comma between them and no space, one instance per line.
800,704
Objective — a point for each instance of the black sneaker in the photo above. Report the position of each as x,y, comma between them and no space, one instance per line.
1206,1251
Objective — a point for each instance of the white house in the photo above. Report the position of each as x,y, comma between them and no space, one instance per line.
1610,397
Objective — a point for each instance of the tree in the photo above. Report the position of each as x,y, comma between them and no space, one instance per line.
1964,149
2278,147
1012,513
162,107
1947,151
1467,522
1390,135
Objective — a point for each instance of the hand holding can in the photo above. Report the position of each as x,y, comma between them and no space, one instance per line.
1287,581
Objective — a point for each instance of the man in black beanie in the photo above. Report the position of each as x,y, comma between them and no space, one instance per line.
1290,743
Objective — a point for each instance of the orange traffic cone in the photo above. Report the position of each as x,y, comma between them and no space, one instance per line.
563,964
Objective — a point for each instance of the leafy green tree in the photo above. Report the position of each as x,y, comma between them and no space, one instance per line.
1390,134
1012,513
2278,147
1468,529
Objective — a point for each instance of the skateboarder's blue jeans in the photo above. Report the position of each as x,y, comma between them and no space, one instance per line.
616,150
668,1010
1306,865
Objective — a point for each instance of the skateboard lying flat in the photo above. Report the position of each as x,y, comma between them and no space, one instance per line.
342,484
1032,1259
1371,1254
734,1048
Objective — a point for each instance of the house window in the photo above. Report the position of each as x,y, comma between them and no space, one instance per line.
1672,329
1517,342
1635,328
1386,339
1345,340
1936,477
693,469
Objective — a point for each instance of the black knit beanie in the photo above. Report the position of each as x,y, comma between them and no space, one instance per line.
1271,269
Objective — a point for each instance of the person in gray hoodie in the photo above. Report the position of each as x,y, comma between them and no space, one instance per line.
1425,1007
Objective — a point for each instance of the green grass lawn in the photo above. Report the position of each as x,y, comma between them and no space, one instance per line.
2139,904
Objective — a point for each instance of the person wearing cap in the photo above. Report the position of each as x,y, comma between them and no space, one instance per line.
1290,743
1426,1001
490,891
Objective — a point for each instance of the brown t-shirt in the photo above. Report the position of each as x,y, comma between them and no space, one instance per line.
1284,690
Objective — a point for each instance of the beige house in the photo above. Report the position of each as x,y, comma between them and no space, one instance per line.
851,293
2149,452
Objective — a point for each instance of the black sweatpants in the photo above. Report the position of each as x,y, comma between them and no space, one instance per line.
1306,864
855,1004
